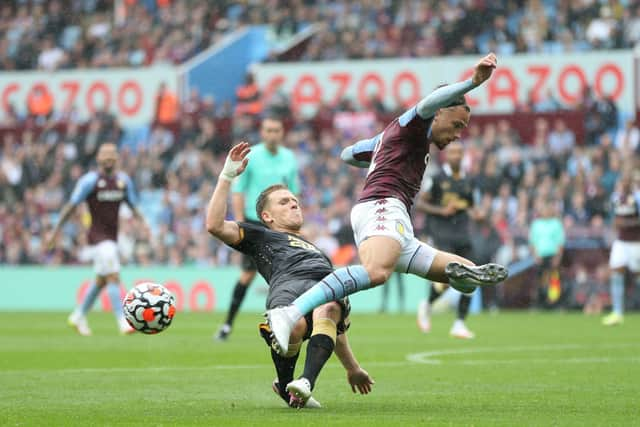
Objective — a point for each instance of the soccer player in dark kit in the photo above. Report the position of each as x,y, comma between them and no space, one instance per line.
383,232
271,163
103,190
290,265
448,203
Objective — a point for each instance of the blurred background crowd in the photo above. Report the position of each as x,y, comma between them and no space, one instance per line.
63,34
567,172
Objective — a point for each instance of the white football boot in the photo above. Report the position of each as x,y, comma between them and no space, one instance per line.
281,325
311,403
299,392
460,330
124,327
79,323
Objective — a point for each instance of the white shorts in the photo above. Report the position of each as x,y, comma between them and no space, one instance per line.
625,254
389,217
104,256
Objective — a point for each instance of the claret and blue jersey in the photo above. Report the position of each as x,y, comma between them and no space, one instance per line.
103,194
397,157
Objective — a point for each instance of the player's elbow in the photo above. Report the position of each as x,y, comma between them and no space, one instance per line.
213,227
349,157
347,154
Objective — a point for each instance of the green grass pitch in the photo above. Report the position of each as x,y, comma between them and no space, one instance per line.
522,369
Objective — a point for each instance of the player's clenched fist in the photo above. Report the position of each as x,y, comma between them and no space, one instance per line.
236,161
484,68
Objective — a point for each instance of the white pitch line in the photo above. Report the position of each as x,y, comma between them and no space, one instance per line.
424,358
550,361
428,357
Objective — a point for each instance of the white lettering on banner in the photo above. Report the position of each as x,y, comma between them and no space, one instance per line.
403,82
129,94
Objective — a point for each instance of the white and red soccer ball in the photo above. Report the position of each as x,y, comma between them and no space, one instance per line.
149,308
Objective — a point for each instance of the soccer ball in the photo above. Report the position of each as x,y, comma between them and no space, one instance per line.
149,308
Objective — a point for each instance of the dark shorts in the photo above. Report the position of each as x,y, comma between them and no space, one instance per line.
457,246
248,264
284,294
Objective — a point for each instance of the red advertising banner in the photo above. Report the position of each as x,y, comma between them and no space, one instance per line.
402,82
128,93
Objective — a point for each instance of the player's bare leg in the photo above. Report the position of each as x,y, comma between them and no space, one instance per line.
78,318
616,317
113,290
379,256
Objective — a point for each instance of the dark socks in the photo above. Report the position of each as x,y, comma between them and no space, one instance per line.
238,296
284,369
434,294
463,306
319,350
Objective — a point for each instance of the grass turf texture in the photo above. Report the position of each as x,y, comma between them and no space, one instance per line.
522,369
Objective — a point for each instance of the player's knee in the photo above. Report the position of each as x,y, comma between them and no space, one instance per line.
378,275
246,277
298,331
331,310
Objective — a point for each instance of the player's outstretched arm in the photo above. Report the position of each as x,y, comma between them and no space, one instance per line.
227,231
445,95
360,153
81,191
357,377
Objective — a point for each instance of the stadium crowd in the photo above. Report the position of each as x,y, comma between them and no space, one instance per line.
62,34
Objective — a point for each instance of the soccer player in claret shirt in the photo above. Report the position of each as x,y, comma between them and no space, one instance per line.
290,265
396,159
625,250
270,164
103,191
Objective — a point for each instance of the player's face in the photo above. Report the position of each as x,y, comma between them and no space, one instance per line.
448,125
107,157
283,211
454,155
271,132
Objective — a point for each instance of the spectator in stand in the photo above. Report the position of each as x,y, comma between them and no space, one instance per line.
627,138
561,139
40,102
167,108
94,33
576,213
248,98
